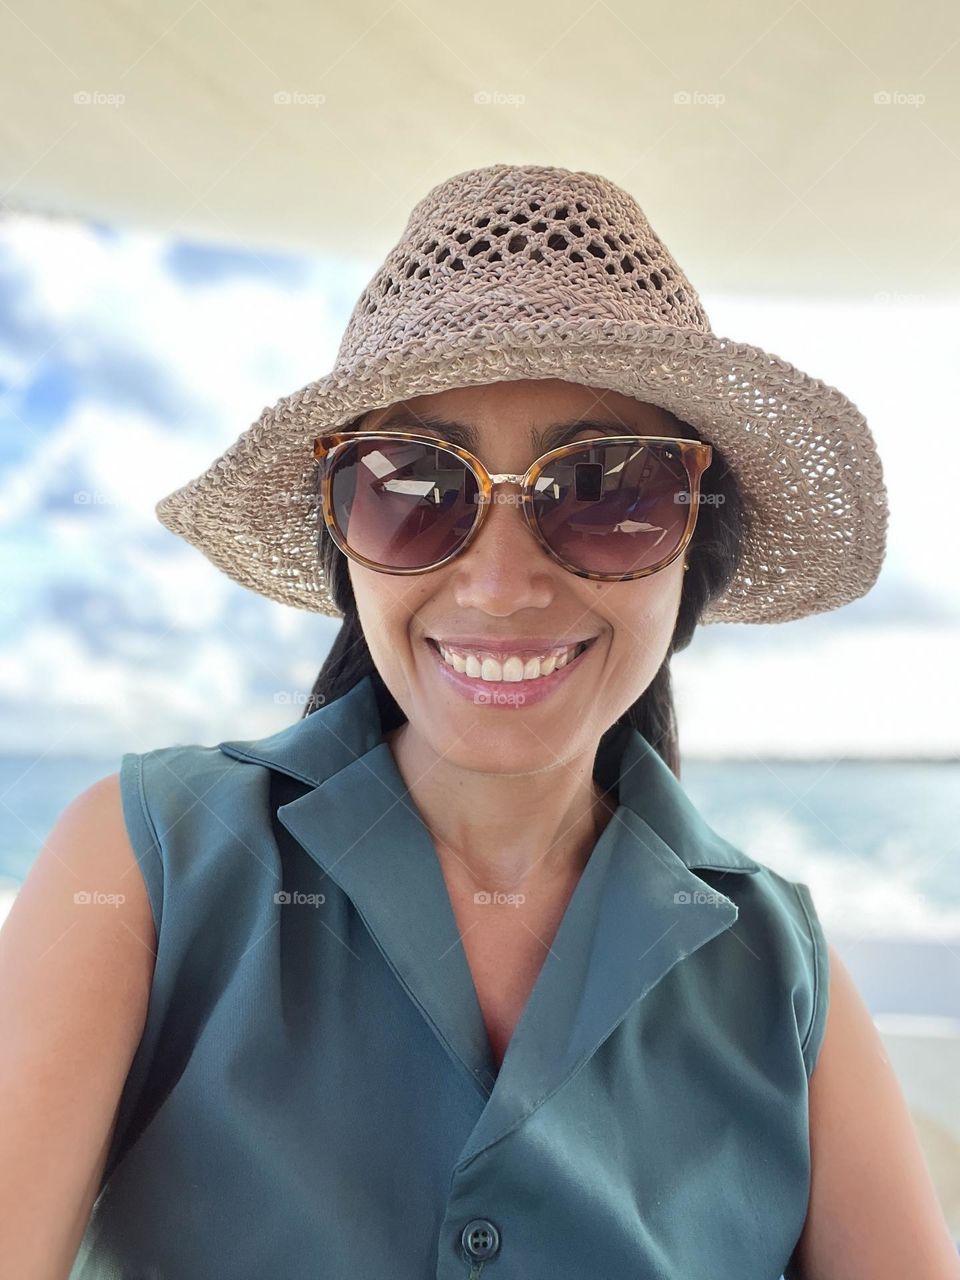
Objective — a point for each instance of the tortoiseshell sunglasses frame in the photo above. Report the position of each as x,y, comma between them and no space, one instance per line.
696,456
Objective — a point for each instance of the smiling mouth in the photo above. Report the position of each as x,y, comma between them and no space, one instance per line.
508,668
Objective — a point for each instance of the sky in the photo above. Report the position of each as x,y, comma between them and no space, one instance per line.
128,361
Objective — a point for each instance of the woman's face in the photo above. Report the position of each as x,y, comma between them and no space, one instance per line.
506,587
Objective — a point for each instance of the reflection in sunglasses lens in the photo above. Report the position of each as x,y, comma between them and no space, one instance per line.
612,509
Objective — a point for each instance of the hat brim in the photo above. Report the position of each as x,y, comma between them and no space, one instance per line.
806,462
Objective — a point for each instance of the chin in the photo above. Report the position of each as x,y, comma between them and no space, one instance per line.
496,742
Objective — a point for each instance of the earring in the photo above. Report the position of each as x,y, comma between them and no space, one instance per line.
685,567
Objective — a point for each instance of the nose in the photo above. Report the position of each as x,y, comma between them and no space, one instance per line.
505,568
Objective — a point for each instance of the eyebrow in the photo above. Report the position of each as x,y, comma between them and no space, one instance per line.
467,437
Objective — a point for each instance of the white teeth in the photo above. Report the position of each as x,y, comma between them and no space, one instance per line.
513,668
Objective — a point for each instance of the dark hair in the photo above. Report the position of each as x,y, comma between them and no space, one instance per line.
713,556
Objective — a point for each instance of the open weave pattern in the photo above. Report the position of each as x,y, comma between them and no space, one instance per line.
498,246
513,272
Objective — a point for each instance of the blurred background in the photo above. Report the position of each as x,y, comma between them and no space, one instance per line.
193,197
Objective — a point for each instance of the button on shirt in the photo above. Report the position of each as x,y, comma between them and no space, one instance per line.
314,1094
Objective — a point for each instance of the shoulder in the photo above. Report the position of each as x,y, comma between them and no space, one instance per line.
191,812
76,968
88,858
776,953
873,1212
193,774
182,768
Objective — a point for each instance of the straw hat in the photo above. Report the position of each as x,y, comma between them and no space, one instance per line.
530,271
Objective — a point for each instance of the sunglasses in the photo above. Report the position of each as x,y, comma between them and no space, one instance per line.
612,508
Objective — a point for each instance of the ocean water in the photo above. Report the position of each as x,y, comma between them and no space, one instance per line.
877,843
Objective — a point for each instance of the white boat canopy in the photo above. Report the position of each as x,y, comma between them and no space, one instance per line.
805,150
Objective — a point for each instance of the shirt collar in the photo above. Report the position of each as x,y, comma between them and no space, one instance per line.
315,748
637,910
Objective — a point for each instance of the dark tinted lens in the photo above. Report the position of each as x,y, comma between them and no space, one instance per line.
402,504
614,508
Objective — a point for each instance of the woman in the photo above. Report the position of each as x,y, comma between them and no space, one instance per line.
449,977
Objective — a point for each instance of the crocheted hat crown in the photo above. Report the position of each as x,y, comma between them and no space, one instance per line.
492,247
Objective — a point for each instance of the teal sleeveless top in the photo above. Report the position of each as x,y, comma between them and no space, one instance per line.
314,1096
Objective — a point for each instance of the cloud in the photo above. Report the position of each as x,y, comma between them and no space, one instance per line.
887,692
201,265
895,359
129,332
98,461
114,686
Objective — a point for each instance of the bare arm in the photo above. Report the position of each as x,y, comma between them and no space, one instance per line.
74,985
873,1212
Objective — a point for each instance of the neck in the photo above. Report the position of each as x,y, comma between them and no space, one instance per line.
503,832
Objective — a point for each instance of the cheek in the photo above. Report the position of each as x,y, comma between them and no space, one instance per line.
387,605
643,615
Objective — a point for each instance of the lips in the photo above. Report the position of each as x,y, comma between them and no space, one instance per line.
513,694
